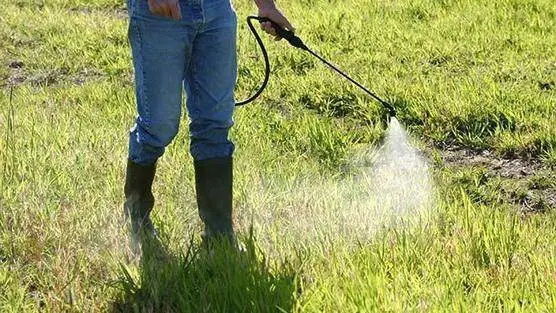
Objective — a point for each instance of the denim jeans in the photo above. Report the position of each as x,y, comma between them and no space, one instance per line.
196,53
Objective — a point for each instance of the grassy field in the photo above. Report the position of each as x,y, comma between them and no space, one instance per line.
474,83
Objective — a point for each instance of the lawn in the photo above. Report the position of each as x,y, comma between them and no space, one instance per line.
474,83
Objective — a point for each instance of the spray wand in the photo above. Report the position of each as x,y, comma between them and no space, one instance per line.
296,42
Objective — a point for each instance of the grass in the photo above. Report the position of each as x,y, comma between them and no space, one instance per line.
466,74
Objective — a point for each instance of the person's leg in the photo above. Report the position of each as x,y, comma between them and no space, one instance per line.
160,50
210,83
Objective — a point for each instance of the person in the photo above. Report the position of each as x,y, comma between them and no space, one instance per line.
191,45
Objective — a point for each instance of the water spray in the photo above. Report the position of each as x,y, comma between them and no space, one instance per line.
296,42
388,187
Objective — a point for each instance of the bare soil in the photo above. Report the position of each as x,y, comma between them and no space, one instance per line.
526,183
52,77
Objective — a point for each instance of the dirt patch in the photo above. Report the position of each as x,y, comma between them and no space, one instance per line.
505,167
16,73
119,13
526,183
51,77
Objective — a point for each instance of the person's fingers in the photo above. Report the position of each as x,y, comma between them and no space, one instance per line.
263,25
272,26
267,27
151,5
167,10
154,8
290,26
159,10
271,31
286,24
276,17
175,11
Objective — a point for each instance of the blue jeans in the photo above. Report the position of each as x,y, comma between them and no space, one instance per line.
197,53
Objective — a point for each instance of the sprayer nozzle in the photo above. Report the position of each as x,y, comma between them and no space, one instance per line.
390,108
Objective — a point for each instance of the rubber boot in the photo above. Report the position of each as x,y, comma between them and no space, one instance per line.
213,183
139,200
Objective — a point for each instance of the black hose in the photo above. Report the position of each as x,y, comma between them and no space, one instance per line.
266,61
298,43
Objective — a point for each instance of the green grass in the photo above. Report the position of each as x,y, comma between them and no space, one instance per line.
469,74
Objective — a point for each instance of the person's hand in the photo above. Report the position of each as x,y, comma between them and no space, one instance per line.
270,11
166,8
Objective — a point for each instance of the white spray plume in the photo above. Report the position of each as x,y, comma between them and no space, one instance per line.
391,187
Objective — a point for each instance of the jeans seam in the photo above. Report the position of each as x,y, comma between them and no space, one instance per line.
131,7
143,73
203,11
195,84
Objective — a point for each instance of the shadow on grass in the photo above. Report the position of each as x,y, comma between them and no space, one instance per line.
223,280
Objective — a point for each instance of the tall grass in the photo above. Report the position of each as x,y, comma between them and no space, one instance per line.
473,74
